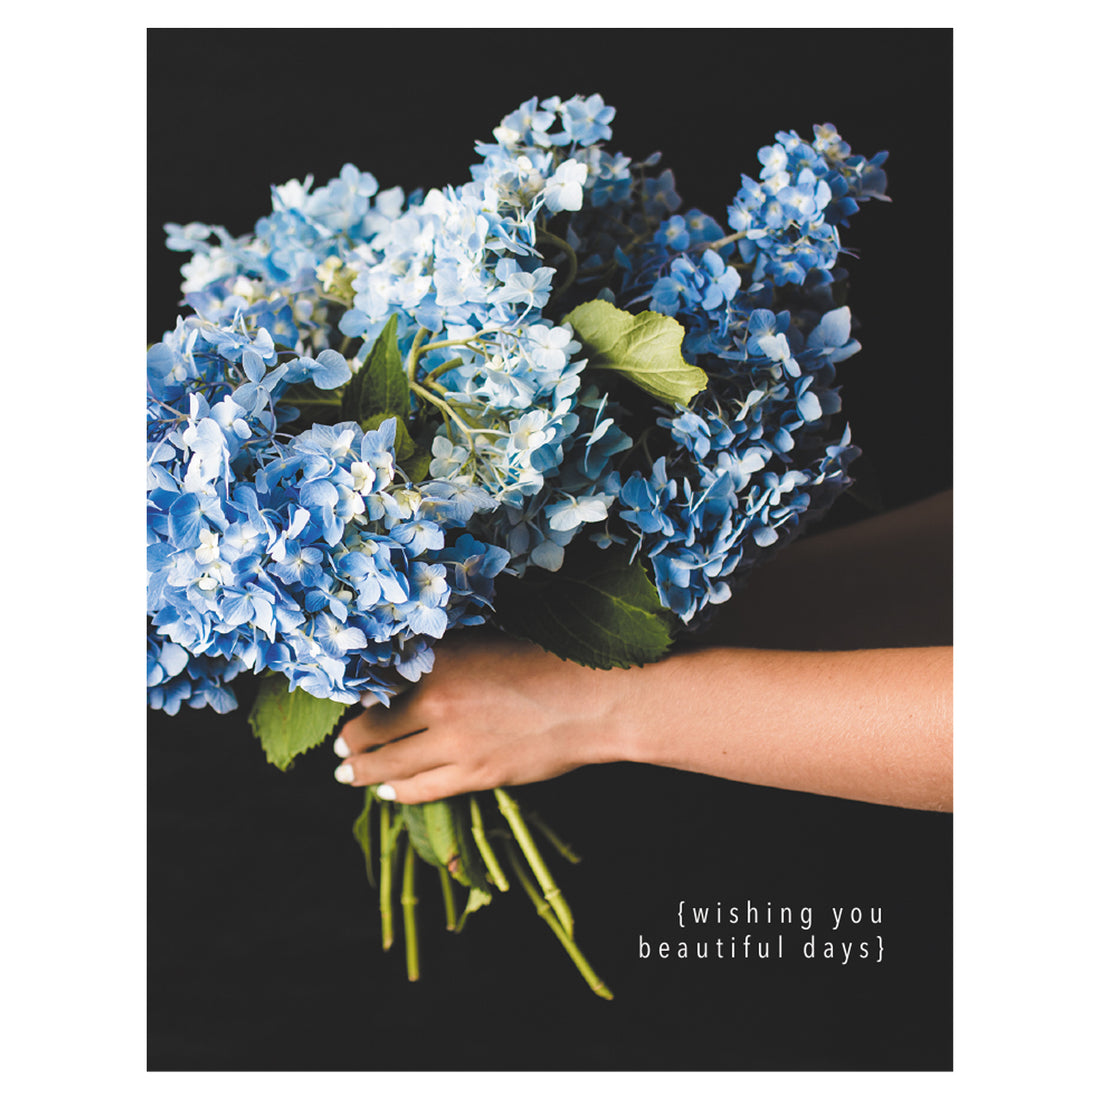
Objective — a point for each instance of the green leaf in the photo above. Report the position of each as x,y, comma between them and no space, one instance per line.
415,467
440,833
380,385
411,457
466,864
600,610
290,722
645,347
361,831
476,900
413,816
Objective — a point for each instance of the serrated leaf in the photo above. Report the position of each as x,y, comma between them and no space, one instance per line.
599,610
362,832
380,386
644,347
288,723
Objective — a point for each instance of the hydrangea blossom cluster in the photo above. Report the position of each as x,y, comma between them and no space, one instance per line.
305,558
287,538
753,459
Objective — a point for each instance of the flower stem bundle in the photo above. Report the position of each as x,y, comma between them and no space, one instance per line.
482,878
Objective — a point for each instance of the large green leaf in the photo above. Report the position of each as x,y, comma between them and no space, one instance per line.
645,347
380,385
600,610
290,722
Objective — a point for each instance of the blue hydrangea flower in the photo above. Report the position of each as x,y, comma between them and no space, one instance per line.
281,541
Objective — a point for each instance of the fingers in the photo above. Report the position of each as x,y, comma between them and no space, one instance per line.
382,746
378,724
429,786
397,760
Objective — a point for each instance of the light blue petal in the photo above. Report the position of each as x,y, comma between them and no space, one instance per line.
332,370
809,408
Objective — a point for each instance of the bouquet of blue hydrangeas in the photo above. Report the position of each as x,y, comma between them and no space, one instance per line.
543,400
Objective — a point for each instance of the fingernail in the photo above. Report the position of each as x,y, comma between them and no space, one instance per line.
369,699
340,747
386,793
345,773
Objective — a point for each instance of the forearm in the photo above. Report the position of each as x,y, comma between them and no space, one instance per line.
870,725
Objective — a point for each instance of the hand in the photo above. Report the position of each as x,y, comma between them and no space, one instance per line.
872,725
493,712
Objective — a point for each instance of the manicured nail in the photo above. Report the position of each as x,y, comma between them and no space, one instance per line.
340,747
344,774
369,699
386,793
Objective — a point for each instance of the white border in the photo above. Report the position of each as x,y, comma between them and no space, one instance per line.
73,776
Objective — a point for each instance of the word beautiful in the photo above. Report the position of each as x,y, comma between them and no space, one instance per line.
844,950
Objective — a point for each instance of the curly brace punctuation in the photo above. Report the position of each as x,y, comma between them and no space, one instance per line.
840,935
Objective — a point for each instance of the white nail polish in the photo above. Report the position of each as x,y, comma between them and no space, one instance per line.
369,700
345,773
340,747
386,793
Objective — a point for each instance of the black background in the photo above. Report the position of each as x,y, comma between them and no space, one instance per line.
263,933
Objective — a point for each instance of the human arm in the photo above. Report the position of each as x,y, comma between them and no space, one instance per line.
871,725
756,701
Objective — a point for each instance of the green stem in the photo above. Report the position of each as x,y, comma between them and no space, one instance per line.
439,371
702,246
458,342
446,410
314,401
527,844
595,983
452,417
386,845
414,354
492,865
430,384
408,907
448,898
560,846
